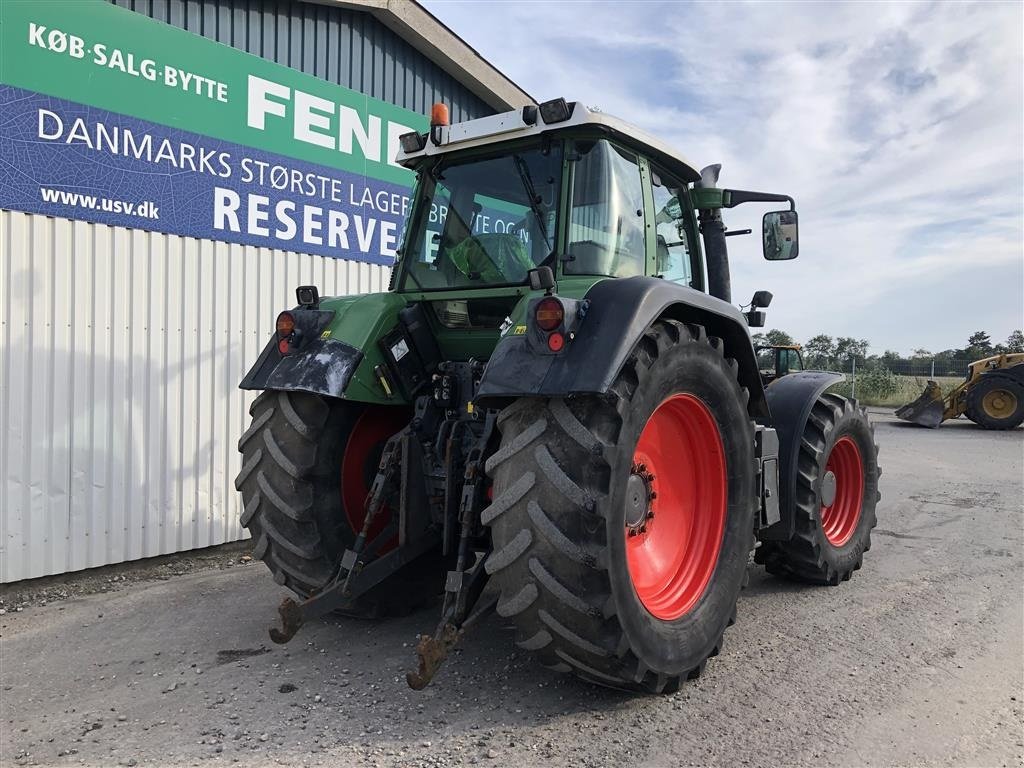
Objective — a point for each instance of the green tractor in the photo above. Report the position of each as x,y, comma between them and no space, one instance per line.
555,412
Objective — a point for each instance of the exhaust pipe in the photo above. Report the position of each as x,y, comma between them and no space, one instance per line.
712,230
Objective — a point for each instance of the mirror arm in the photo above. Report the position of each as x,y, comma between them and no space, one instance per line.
733,197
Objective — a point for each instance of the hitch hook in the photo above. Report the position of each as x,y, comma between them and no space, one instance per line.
291,621
431,652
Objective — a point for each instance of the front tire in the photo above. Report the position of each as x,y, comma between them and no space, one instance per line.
836,494
569,516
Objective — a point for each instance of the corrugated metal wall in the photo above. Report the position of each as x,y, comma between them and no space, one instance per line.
120,355
341,46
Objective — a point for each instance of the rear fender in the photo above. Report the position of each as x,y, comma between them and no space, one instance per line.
338,352
320,364
619,312
790,400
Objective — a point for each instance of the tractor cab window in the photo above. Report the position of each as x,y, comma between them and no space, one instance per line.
766,361
606,223
675,257
483,221
793,361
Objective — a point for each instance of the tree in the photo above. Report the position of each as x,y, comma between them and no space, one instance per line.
979,345
1015,342
921,352
819,351
848,347
979,339
779,338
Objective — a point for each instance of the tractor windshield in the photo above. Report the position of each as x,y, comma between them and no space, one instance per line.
483,221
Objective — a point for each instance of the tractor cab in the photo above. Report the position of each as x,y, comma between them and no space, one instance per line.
560,186
560,189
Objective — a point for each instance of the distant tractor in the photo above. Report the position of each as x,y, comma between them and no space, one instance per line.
778,360
555,412
992,396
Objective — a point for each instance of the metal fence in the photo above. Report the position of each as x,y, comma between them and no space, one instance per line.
931,367
892,381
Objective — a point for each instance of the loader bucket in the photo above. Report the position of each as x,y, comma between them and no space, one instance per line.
927,410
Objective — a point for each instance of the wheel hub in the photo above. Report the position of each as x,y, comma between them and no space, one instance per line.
999,404
639,495
828,488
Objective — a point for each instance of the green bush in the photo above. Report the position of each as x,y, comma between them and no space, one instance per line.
875,385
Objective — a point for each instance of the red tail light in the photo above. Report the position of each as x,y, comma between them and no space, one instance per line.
285,329
549,314
555,342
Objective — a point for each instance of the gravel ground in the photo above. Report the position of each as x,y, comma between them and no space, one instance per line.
915,661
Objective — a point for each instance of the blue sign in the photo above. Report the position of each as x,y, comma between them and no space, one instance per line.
59,158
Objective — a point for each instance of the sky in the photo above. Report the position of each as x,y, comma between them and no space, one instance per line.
898,128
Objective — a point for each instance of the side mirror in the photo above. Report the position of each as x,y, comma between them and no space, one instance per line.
761,299
780,235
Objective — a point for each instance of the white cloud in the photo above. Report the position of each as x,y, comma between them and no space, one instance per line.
897,127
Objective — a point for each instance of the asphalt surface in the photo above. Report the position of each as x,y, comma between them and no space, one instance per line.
916,661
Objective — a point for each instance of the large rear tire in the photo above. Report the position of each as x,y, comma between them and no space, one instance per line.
836,494
307,462
996,402
594,584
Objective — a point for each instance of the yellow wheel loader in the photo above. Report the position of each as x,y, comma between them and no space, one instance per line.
992,396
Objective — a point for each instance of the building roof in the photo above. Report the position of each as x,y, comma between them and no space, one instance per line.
425,32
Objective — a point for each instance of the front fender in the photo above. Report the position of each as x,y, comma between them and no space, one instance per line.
790,399
620,311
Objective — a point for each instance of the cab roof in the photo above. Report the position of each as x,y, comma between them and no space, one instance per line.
530,121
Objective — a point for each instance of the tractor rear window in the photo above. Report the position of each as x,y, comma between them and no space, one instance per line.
483,222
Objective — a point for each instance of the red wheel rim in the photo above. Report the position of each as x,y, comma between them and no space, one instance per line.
839,518
359,464
673,554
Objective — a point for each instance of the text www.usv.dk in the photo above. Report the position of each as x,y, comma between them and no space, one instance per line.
147,209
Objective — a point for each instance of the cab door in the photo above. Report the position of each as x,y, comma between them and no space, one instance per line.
677,255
